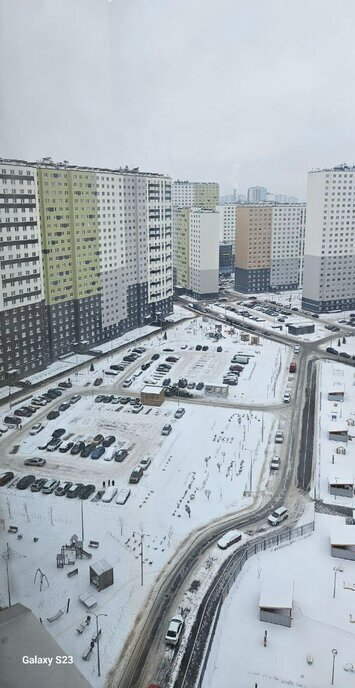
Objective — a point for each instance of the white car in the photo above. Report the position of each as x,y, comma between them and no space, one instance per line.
278,516
144,463
137,408
110,451
36,428
275,463
122,495
286,398
174,631
110,493
296,348
127,383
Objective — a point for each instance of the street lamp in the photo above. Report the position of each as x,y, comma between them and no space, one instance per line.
141,535
334,653
336,569
251,469
98,640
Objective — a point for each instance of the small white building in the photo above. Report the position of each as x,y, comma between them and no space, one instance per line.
342,541
276,601
338,432
342,485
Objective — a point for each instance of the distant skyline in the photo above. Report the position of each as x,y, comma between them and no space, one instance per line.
245,94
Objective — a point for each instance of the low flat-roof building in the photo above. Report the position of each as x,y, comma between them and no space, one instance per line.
338,432
23,636
276,601
300,328
342,541
336,395
152,396
342,485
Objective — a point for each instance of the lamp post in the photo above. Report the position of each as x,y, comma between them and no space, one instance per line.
335,569
98,641
334,653
141,535
251,470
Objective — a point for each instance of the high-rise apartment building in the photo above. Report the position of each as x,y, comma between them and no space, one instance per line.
196,251
329,260
203,195
226,214
269,242
105,240
257,194
23,331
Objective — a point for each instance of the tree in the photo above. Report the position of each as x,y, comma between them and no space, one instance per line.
92,368
344,340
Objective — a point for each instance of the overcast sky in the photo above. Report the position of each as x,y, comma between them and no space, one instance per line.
243,92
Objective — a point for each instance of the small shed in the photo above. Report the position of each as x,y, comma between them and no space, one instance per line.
342,541
276,602
216,390
342,485
300,328
338,432
101,575
336,395
152,396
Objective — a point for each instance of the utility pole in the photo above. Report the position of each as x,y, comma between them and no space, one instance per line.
98,641
141,535
82,520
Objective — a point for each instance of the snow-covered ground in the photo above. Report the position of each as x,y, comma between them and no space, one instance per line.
4,391
320,623
337,343
61,366
332,465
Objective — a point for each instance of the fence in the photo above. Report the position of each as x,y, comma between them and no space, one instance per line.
236,565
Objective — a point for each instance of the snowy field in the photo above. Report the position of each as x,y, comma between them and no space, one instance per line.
203,464
330,464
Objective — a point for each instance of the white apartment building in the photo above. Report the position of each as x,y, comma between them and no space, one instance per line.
23,341
287,237
329,260
257,194
187,194
196,251
227,222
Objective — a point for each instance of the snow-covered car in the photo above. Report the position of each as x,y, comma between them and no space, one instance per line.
179,412
229,539
137,408
174,631
110,493
122,495
144,463
36,428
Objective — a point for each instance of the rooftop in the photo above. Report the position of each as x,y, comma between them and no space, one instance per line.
276,593
65,165
342,534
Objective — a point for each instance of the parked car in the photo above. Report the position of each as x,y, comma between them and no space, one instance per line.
198,347
122,495
86,491
74,490
286,398
174,631
77,448
219,349
110,493
278,516
35,461
344,354
125,400
120,455
54,444
6,477
296,348
279,437
25,482
99,398
330,350
137,408
66,446
52,415
191,385
200,385
179,412
74,398
166,430
87,450
229,539
172,359
110,439
64,406
97,382
166,382
65,384
36,428
50,486
136,474
98,439
275,463
98,452
145,366
205,347
107,398
38,484
59,432
62,489
144,463
127,383
155,357
111,372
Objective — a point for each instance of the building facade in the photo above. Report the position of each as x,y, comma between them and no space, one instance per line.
23,326
329,260
227,221
269,242
203,195
196,251
226,259
86,254
257,194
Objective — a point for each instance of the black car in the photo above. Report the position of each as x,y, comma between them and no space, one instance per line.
78,447
108,398
110,439
145,366
164,367
200,385
66,447
344,354
97,452
330,350
25,482
182,382
6,477
166,382
74,398
155,357
74,490
219,349
205,348
98,438
86,491
117,366
52,415
120,454
63,489
315,315
99,398
55,392
64,406
59,432
198,347
87,450
65,384
125,400
22,412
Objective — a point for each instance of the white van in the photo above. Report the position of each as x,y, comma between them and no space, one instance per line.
278,516
122,495
109,494
229,539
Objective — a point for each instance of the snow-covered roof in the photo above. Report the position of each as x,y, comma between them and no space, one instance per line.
276,593
342,477
338,426
151,389
100,567
342,534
